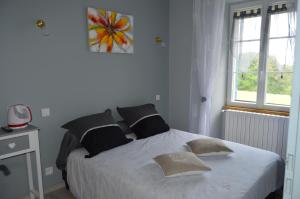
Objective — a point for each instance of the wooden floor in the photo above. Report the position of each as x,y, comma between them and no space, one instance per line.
60,194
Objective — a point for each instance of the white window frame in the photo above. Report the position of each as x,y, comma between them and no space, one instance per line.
264,38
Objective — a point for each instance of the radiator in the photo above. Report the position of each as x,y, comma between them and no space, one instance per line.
263,131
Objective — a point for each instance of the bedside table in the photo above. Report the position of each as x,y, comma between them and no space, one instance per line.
24,142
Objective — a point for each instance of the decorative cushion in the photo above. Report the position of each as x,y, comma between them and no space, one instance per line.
80,125
143,120
97,132
103,139
209,147
181,163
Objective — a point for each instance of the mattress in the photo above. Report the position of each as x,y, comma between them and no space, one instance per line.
129,172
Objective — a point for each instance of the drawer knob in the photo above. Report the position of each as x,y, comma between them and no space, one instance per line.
12,145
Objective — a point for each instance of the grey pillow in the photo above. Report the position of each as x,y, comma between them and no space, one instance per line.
81,125
134,113
143,120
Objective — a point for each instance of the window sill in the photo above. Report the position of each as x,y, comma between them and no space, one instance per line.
255,110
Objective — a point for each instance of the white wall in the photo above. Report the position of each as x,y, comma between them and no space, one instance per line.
293,148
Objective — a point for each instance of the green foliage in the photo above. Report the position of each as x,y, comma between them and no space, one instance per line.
248,81
277,82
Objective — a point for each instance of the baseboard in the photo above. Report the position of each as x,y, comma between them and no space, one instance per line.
49,190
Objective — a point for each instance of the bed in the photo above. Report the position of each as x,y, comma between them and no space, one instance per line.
129,172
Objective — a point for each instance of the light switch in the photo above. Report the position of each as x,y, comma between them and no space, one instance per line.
45,112
157,97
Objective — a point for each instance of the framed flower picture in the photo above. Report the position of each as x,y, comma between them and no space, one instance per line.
109,31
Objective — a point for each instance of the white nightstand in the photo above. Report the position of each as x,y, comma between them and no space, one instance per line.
21,142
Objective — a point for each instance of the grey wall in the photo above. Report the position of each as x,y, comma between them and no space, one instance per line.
181,24
59,72
181,12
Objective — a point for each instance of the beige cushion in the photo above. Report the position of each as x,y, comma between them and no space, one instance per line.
209,147
181,163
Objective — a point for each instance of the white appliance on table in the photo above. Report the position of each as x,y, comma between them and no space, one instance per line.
18,116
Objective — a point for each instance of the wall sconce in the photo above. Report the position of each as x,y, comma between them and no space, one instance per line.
159,41
41,24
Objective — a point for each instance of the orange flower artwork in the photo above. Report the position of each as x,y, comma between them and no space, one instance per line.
110,31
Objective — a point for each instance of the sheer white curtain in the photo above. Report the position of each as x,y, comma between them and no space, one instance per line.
282,36
208,24
246,42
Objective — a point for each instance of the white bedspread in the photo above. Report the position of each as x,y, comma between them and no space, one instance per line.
128,172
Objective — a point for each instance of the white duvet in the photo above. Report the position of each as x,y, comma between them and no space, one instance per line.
128,172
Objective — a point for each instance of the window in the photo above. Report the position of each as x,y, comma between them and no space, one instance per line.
262,55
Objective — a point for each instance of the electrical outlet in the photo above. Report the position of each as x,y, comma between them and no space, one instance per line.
45,112
48,171
157,97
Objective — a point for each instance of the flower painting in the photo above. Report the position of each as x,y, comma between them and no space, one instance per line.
109,31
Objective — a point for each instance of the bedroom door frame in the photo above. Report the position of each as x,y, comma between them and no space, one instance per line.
292,170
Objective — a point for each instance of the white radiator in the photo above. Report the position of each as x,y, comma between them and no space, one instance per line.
263,131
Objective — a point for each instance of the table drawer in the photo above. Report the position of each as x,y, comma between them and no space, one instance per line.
11,145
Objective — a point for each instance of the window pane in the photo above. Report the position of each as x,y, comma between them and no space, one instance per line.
279,88
280,71
246,49
246,86
281,55
245,66
247,29
282,25
246,55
